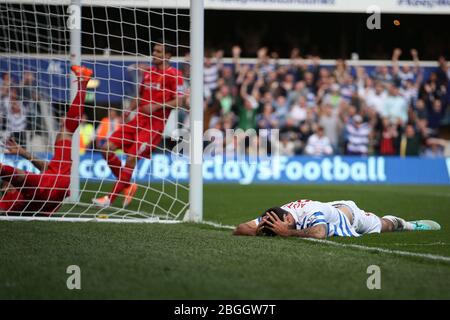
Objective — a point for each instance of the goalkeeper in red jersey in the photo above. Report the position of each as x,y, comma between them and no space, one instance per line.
159,94
44,192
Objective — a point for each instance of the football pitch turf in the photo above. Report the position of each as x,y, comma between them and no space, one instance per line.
197,261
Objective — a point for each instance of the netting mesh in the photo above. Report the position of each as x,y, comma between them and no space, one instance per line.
117,44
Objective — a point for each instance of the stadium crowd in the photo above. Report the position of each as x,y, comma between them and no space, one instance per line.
20,113
319,110
19,108
390,110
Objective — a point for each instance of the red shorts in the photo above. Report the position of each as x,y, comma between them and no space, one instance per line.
138,137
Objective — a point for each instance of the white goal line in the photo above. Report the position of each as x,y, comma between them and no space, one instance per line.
221,226
93,219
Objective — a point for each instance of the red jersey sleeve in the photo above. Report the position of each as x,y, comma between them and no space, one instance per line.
175,83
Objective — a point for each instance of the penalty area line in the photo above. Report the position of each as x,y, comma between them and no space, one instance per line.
355,246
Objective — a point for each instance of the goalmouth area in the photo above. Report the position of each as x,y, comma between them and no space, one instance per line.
203,261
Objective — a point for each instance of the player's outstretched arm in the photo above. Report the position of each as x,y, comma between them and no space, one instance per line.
249,228
13,148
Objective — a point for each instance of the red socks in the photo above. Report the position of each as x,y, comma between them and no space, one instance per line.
114,163
122,183
76,110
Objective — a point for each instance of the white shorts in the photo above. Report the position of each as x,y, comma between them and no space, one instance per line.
363,222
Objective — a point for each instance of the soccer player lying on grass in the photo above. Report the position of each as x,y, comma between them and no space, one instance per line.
314,219
43,193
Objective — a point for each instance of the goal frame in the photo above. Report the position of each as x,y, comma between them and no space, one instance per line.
194,212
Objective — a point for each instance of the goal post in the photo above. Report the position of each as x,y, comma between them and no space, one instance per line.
41,39
74,25
196,150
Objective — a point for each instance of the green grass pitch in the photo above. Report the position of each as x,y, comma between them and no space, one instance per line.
192,261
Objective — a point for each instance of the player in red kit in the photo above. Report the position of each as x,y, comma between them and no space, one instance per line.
158,96
44,192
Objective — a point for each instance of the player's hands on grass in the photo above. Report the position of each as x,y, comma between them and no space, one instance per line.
275,224
13,148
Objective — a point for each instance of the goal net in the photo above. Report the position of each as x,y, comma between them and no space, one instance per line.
39,41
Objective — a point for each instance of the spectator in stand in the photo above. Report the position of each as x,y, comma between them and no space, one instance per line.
305,133
287,146
348,88
5,86
5,83
211,71
310,83
250,102
288,83
432,89
341,70
420,110
28,93
267,119
411,141
318,144
329,121
334,97
383,75
17,122
358,133
228,78
281,108
443,72
298,112
247,114
387,140
410,92
291,131
405,73
395,106
298,91
225,100
216,138
376,97
442,144
434,149
435,115
263,64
